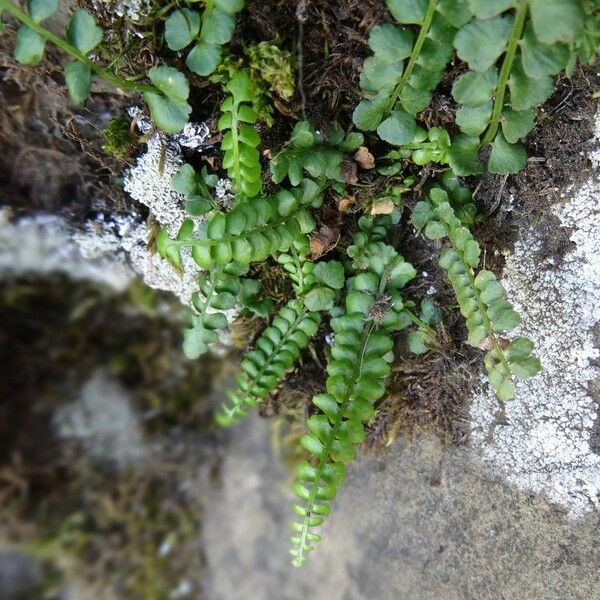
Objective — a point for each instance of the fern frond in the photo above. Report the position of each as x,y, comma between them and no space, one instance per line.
240,142
274,354
480,296
299,269
513,51
357,369
251,232
398,91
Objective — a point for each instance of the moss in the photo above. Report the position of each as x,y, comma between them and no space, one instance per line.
118,139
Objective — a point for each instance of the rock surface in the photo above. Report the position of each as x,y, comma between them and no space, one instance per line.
424,522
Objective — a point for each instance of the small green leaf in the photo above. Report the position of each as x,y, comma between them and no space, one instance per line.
416,342
42,9
456,12
474,121
390,43
526,92
168,249
540,60
330,273
368,114
184,181
29,49
83,32
78,78
519,348
302,135
463,156
474,89
484,9
218,27
408,11
204,58
168,116
319,298
556,20
505,157
398,129
517,124
198,206
378,75
435,230
171,83
181,28
526,367
480,43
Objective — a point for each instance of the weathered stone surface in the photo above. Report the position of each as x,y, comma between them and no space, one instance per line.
424,522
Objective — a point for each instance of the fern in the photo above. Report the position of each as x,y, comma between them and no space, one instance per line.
276,351
312,152
480,296
240,141
357,369
280,345
385,80
251,232
208,32
535,40
431,146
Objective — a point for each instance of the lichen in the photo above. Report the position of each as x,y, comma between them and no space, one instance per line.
541,441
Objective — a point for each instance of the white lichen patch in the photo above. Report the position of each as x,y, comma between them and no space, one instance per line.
111,250
149,182
541,440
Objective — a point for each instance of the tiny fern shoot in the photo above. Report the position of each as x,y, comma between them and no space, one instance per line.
480,296
240,142
359,364
310,151
208,32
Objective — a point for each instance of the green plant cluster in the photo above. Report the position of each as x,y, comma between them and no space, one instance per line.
359,363
312,152
166,98
513,49
395,92
480,296
507,53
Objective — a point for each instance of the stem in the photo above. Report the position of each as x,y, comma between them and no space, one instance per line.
509,57
64,45
415,54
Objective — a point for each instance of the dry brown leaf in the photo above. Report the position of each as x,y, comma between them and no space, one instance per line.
349,171
323,241
383,207
346,202
364,158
